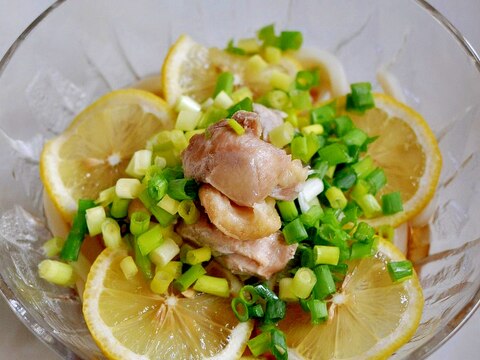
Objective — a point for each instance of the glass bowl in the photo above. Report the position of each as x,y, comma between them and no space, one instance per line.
78,50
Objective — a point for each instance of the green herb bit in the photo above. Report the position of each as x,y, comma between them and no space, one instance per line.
224,83
288,210
142,261
275,310
360,98
268,37
277,99
236,127
182,189
240,309
260,344
231,48
364,232
301,100
392,203
71,248
318,311
325,285
291,40
345,178
265,292
248,294
343,124
157,187
294,232
278,345
335,154
400,270
377,180
256,311
244,104
162,216
189,277
323,115
306,79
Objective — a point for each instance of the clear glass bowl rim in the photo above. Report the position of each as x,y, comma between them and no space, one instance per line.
62,350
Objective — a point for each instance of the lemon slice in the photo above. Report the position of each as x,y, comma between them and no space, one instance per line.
369,318
192,69
96,148
128,321
407,151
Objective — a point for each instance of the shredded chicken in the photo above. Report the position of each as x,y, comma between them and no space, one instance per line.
244,168
269,118
263,257
239,222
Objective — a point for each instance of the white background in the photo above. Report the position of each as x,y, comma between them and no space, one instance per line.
16,342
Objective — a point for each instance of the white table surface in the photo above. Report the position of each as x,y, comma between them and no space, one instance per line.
16,342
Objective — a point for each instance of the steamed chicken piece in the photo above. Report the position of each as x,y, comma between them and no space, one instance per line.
269,118
263,257
244,168
239,222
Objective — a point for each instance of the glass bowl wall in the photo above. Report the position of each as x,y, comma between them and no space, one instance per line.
79,50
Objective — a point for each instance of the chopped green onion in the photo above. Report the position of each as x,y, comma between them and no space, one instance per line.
325,284
56,272
126,188
282,135
360,189
272,54
256,311
294,232
182,189
267,35
299,147
307,258
364,232
188,212
254,66
240,309
364,167
223,100
187,103
326,254
164,253
189,277
260,344
212,116
142,261
318,310
369,205
128,267
335,154
303,282
241,94
345,178
343,124
392,203
278,345
355,137
139,163
224,83
275,310
162,216
322,115
53,246
336,198
197,256
150,240
233,49
280,80
312,216
172,267
291,40
376,179
361,97
119,208
160,282
112,237
313,144
319,168
106,197
265,293
187,120
306,79
169,204
75,237
139,222
212,285
285,290
248,294
288,210
244,104
301,100
400,270
185,248
316,129
157,187
249,45
239,129
360,250
277,99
